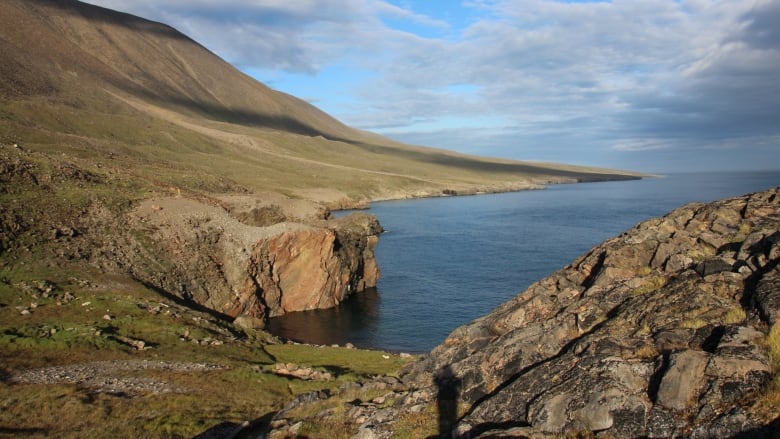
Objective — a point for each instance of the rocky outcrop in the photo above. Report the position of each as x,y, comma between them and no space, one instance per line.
245,255
658,332
310,268
668,330
199,252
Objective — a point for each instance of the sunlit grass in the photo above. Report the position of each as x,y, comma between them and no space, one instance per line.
773,347
650,284
694,323
242,390
734,316
770,401
361,363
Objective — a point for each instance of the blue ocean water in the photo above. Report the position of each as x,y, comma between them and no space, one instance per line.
447,261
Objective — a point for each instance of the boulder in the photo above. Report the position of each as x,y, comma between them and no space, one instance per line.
249,322
683,379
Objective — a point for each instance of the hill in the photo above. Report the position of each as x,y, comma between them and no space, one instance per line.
153,199
129,93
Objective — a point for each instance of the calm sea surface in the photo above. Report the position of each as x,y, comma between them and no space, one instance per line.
447,261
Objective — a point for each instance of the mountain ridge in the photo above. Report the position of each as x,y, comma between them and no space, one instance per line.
74,61
146,58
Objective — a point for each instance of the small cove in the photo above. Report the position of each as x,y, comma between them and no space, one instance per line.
446,261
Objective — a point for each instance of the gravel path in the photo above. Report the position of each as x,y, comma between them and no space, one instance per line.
106,376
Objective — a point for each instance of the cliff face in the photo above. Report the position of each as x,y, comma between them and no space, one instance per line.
312,268
201,253
247,256
658,332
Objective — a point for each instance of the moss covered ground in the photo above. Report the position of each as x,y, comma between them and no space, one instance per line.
62,321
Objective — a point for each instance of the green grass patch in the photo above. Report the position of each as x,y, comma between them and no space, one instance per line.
773,347
767,405
650,284
75,332
417,425
734,316
354,362
693,323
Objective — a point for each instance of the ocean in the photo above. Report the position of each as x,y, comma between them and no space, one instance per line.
446,261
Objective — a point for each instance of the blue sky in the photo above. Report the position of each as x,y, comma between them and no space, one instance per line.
649,85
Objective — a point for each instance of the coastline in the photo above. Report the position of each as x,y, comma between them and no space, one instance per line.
471,190
619,322
432,241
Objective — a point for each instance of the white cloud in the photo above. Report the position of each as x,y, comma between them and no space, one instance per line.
549,78
628,75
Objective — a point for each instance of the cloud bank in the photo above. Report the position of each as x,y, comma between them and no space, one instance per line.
645,84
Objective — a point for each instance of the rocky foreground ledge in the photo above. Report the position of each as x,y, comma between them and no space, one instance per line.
668,330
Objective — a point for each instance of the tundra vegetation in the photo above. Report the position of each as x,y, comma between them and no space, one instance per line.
110,322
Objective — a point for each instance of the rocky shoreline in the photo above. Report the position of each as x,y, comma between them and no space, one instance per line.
665,330
668,330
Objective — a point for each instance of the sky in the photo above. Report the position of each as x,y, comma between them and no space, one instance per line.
646,85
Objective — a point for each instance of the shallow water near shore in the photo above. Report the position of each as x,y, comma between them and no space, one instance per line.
446,261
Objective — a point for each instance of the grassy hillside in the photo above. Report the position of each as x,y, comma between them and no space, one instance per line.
136,95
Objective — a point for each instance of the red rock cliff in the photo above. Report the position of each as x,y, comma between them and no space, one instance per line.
200,253
313,268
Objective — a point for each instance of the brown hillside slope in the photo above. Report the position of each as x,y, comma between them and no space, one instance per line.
79,78
62,44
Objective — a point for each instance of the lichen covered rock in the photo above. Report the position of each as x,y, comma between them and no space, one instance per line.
658,332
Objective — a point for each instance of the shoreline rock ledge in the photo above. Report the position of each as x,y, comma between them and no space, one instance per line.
671,329
659,332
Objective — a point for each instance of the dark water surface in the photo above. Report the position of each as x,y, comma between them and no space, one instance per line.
447,261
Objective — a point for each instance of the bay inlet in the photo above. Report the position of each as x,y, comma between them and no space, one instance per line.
446,261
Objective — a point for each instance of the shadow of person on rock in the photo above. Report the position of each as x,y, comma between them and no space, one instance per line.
233,430
448,391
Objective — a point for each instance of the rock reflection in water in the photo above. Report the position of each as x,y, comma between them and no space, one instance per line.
353,321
